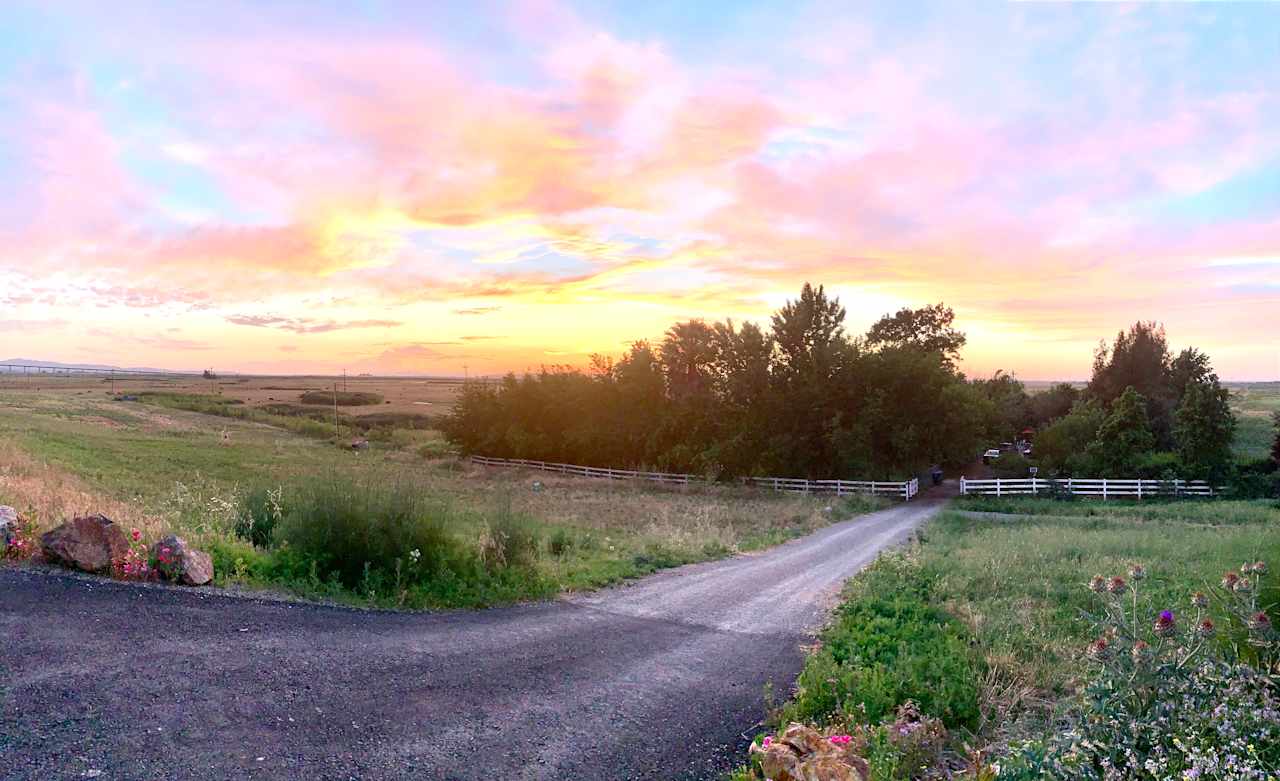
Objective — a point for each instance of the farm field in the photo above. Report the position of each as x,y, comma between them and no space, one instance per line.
500,537
400,394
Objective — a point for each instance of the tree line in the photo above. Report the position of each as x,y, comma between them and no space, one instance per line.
798,398
801,397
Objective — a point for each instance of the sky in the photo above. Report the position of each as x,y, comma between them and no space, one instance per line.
479,187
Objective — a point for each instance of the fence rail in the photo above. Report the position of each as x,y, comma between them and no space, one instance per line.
906,489
1098,487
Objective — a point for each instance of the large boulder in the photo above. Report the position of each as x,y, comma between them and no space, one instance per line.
181,563
89,543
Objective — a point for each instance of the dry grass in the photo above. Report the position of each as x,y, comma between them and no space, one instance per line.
52,495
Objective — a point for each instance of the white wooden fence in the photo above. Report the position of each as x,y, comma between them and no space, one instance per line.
1101,487
906,489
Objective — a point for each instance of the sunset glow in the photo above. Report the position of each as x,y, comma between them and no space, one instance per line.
423,187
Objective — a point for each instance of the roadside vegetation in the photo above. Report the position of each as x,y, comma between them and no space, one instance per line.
992,622
281,511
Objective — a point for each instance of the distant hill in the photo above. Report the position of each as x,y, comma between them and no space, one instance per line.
83,366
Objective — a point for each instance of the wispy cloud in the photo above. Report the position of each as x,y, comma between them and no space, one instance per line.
302,325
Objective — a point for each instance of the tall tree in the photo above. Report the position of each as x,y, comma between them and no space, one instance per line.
1125,437
809,334
1204,428
928,328
1138,359
688,359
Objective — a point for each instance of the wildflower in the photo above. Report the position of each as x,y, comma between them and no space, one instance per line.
767,742
1137,572
1229,580
840,740
1241,585
1199,599
1164,625
1259,568
1206,628
1259,622
415,555
1246,568
1098,584
1117,585
1140,651
136,535
1098,649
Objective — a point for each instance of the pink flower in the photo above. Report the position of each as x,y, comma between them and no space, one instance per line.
840,740
767,742
136,535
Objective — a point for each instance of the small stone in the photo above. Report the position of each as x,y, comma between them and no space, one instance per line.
360,444
89,543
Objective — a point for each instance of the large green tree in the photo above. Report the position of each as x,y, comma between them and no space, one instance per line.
1124,439
928,328
1204,428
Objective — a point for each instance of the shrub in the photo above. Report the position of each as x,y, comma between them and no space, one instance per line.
352,528
260,513
889,644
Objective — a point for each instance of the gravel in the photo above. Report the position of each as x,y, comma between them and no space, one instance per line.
662,678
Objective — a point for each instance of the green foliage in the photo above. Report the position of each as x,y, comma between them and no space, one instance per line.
1062,448
1056,402
928,329
1124,438
803,400
889,643
1204,428
1011,465
341,398
259,513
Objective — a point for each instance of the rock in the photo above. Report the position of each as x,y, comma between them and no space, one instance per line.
360,444
181,563
804,754
8,524
89,543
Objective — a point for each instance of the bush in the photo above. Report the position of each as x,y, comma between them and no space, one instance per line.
889,645
354,529
260,512
343,398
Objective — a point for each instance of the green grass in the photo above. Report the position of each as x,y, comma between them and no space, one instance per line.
1209,512
316,425
1019,580
341,398
889,642
1253,403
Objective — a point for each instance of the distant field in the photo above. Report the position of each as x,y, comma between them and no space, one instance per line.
405,395
1254,403
161,469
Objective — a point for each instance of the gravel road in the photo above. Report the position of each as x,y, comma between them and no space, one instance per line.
662,678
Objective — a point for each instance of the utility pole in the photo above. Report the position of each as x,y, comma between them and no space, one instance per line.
336,432
344,380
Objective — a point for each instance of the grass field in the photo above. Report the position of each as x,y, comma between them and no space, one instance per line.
1254,403
159,468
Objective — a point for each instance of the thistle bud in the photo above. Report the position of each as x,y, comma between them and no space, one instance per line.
1117,585
1099,649
1205,628
1259,622
1229,580
1199,600
1164,625
1098,584
1137,572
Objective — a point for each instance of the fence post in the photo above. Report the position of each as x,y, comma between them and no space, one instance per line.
1139,489
997,486
962,488
1104,489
